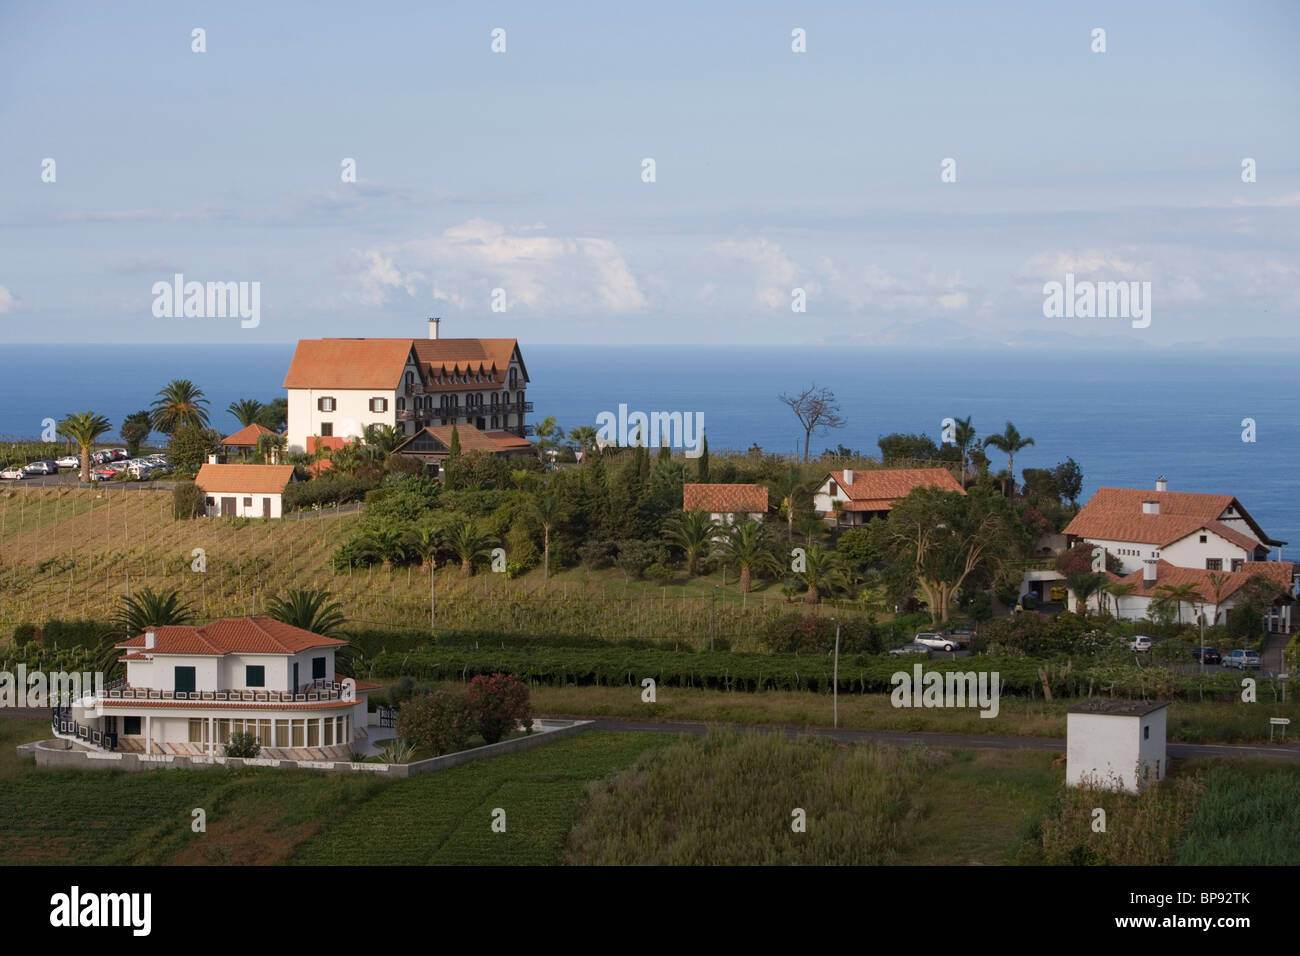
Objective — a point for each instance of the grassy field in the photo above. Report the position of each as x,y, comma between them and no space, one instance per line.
72,552
1189,721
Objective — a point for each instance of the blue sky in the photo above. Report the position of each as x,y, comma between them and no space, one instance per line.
521,171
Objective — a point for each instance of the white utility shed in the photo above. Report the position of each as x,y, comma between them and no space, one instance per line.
1116,744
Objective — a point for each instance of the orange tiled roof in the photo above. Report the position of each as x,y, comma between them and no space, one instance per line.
1115,514
725,499
247,436
379,363
878,489
230,635
1173,576
244,479
471,439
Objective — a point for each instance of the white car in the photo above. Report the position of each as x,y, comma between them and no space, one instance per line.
68,461
938,641
14,474
1140,643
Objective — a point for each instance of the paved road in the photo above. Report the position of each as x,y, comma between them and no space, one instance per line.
1288,751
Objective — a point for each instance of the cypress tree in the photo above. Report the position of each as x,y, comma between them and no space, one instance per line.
702,467
665,454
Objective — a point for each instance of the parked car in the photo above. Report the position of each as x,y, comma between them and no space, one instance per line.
119,454
41,468
1241,659
912,648
68,461
930,639
1140,642
103,473
962,635
101,457
13,473
1208,655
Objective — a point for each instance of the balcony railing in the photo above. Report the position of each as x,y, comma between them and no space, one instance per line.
61,722
316,691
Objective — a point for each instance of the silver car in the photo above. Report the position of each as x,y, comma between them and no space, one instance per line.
937,641
912,648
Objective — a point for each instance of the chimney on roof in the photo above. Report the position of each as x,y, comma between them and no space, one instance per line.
848,476
1151,507
150,639
1161,484
433,326
212,459
1149,573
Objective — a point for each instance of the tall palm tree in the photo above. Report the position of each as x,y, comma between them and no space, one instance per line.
1009,442
748,545
245,410
84,428
179,404
468,541
1118,590
550,512
693,532
310,609
963,436
1218,584
584,436
794,491
822,573
146,608
1178,595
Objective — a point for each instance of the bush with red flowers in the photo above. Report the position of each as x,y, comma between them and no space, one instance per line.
500,703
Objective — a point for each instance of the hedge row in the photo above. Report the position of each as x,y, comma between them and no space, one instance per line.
751,672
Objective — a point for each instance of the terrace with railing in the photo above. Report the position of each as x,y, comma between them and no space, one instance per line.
63,725
314,692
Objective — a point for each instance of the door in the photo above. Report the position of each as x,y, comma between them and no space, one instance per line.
266,507
227,507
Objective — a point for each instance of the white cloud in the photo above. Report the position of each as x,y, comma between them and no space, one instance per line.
374,276
6,300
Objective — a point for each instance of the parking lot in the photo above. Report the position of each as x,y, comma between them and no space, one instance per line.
106,469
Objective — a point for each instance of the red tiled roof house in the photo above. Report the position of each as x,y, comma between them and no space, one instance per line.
188,689
851,497
726,503
244,491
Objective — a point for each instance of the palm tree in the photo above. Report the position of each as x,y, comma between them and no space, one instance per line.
180,403
585,436
963,436
1084,587
384,439
146,609
793,490
469,542
693,532
748,545
245,410
1177,595
822,573
1119,590
1009,442
550,512
84,428
424,541
385,542
311,609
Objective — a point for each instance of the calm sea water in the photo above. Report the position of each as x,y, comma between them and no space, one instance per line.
1125,418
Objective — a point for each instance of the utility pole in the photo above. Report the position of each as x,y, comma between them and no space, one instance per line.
835,680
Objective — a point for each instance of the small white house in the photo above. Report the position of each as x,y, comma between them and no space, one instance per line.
244,491
1115,744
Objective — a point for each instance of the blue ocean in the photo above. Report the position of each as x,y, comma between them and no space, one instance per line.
1125,418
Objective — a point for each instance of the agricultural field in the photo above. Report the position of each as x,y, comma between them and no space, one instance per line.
71,553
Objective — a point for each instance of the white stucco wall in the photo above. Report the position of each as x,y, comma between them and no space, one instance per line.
1190,553
1108,750
242,510
350,418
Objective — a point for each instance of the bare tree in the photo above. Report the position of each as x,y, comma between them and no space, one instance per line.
816,409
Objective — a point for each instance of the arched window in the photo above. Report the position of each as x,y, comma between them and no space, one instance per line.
496,399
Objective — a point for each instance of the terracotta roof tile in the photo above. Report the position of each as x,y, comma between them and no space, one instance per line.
725,499
247,436
1173,576
471,439
1115,514
230,635
244,479
379,363
877,489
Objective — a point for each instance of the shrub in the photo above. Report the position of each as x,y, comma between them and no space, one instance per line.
598,554
189,447
330,489
187,501
243,745
442,721
803,634
635,555
24,633
500,704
